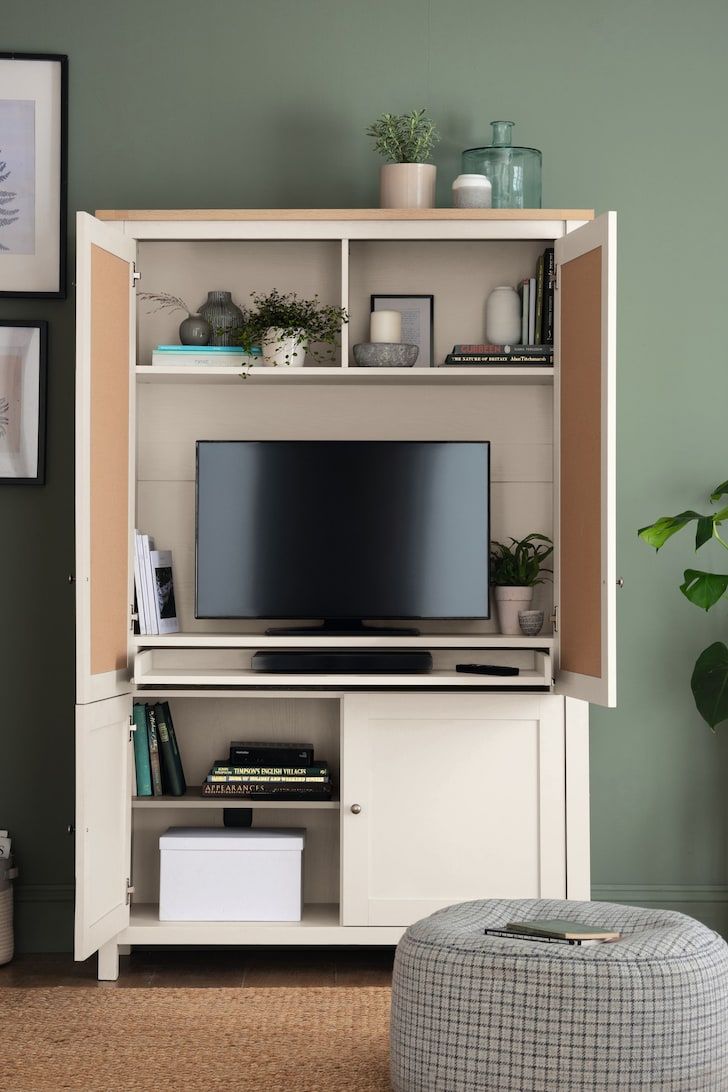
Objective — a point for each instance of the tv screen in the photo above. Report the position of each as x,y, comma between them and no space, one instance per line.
342,529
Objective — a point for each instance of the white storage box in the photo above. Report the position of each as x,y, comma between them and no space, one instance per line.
230,874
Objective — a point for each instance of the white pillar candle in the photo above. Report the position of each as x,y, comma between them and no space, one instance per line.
386,326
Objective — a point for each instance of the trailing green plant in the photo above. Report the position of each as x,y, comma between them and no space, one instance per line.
405,138
306,321
709,681
520,564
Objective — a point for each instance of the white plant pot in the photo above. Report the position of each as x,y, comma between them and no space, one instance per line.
407,186
503,316
283,350
510,601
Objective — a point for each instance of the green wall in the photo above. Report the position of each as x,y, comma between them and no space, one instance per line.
230,104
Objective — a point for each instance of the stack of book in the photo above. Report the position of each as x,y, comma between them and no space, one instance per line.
203,356
554,931
154,587
270,771
157,761
501,356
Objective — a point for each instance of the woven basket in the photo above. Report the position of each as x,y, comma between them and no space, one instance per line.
6,912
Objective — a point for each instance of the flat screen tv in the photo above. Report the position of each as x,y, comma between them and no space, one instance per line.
342,530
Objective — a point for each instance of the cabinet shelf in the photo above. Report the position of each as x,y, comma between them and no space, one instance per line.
423,640
193,798
404,377
319,924
256,680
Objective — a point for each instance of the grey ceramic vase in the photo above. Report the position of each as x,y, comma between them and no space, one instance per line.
194,330
223,316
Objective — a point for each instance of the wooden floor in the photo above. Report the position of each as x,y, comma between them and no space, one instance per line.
220,967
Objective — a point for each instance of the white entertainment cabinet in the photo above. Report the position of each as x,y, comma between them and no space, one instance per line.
451,787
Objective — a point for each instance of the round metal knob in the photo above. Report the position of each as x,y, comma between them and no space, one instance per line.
355,808
620,582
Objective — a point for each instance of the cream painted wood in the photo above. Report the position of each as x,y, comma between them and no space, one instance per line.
104,754
350,377
602,232
108,964
345,303
194,800
90,234
319,926
375,215
578,869
460,797
260,640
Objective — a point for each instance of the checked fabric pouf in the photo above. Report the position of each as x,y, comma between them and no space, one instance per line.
647,1013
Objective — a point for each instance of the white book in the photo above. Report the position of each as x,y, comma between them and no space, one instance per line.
147,547
166,609
167,358
532,311
525,294
139,585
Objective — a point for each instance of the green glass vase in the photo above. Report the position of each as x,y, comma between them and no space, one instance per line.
514,173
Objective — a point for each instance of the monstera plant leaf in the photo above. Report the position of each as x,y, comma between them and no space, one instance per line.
665,527
703,589
710,684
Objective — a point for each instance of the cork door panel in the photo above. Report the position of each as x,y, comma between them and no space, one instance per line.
109,461
580,604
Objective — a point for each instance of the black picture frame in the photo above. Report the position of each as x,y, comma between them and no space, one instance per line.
58,289
40,446
382,301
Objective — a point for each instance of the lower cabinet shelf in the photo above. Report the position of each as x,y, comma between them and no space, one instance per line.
193,798
319,925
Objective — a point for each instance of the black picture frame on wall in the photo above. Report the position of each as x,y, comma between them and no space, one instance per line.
33,175
418,321
23,381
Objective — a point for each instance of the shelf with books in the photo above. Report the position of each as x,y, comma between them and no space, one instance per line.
193,798
438,376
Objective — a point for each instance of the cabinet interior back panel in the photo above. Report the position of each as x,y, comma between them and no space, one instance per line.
517,421
192,269
460,275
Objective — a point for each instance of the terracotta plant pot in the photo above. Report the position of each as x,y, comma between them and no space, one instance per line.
407,186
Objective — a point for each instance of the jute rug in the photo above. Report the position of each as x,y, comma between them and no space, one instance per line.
244,1040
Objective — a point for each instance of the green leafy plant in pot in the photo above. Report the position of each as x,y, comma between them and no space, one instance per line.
516,568
406,143
286,326
709,680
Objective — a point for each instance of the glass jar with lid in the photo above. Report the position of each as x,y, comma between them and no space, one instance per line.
514,173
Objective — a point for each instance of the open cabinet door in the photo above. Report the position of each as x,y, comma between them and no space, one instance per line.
585,355
105,396
104,755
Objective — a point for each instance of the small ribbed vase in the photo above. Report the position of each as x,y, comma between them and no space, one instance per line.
223,316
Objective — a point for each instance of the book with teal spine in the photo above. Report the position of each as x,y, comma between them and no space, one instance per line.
154,761
141,751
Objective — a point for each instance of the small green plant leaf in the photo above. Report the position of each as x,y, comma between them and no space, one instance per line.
704,531
704,589
719,491
709,684
665,527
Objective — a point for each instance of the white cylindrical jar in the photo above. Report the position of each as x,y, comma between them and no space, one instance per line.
385,326
503,316
471,191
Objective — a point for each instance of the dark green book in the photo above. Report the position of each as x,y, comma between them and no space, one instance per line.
154,762
141,751
176,753
171,768
538,338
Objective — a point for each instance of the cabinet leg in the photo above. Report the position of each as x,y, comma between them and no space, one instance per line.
108,962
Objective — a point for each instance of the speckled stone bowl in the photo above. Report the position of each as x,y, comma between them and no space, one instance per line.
385,354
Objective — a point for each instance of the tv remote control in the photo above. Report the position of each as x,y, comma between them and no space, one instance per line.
487,669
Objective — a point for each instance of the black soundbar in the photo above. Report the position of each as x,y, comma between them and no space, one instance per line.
343,662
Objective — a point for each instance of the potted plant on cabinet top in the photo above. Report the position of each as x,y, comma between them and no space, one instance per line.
406,141
284,325
515,569
709,680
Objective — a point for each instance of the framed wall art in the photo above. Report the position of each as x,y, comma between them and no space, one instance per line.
33,174
23,365
417,322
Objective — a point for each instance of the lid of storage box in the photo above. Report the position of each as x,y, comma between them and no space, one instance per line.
245,839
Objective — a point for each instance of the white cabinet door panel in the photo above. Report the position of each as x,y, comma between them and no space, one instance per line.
461,797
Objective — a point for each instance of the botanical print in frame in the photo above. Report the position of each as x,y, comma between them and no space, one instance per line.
417,322
33,169
23,349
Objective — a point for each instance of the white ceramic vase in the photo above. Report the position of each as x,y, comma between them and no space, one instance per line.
282,349
407,186
503,316
510,601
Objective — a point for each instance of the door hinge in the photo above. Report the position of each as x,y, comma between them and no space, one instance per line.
554,279
133,617
129,890
555,619
135,275
132,727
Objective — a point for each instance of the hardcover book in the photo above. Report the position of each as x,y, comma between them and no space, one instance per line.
141,751
154,761
171,765
561,929
163,583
